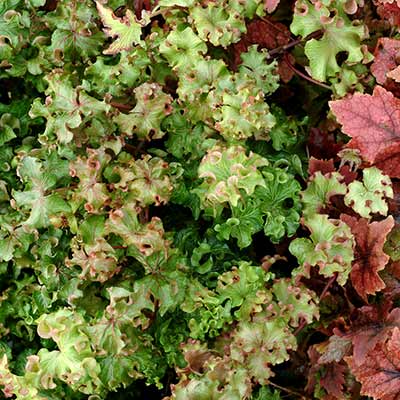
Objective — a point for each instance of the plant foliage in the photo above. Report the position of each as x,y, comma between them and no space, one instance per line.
199,199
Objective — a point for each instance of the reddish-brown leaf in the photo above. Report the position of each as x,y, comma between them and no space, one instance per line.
371,325
285,70
387,55
348,174
390,12
379,373
324,166
373,122
369,255
391,277
322,144
332,379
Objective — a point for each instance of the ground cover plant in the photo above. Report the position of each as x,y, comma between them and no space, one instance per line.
199,199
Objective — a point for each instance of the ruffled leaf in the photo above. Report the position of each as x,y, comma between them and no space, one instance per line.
127,29
368,197
330,247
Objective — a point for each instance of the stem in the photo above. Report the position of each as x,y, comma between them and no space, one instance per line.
328,285
282,49
294,42
303,323
303,75
287,390
120,105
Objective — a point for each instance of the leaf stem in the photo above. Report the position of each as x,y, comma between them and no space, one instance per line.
287,390
293,43
328,285
302,74
120,105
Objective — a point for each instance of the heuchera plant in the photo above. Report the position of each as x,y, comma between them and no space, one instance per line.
199,199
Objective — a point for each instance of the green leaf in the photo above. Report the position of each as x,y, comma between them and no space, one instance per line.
227,172
221,26
330,247
92,228
246,220
183,48
319,190
340,35
279,201
36,198
177,3
127,29
254,64
368,197
144,120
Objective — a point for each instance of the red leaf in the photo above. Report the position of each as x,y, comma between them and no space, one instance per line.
369,255
390,12
391,277
387,52
373,122
379,374
333,380
348,175
324,166
371,325
322,144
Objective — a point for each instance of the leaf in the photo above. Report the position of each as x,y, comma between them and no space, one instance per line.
144,120
245,221
373,122
320,188
390,12
182,49
369,255
386,53
330,247
322,166
368,197
333,378
265,32
221,26
280,203
228,172
39,181
255,64
395,74
296,302
379,374
127,29
337,37
370,325
67,107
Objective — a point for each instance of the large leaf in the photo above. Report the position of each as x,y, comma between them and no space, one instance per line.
379,374
373,122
